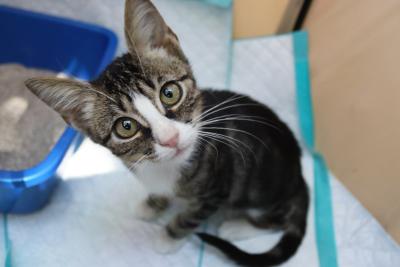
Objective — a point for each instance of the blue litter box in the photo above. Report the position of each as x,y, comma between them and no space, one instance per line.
61,45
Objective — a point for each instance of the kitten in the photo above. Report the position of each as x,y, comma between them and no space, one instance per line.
217,150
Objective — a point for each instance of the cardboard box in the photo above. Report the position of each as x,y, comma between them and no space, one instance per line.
263,17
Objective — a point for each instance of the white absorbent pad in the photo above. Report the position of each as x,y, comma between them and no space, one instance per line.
90,220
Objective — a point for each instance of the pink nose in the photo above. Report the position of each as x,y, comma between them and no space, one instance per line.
172,141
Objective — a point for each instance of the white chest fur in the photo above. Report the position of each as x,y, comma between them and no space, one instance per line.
159,178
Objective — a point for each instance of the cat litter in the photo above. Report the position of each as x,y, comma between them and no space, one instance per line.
29,129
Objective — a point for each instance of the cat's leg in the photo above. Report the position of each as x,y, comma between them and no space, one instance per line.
152,207
184,223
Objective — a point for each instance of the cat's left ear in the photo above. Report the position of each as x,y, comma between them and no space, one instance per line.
145,29
74,100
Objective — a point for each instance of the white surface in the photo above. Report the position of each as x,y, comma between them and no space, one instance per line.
90,221
361,240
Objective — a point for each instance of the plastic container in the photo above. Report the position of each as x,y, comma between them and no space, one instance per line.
61,45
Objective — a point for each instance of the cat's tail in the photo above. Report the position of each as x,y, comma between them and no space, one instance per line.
282,251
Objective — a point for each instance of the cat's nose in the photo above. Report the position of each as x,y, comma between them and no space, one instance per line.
171,141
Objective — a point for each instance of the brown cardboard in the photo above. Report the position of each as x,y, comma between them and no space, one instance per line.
355,63
257,17
264,17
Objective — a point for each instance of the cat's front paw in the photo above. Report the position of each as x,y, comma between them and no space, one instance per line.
165,244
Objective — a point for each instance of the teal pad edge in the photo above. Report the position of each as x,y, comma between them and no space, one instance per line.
220,3
325,232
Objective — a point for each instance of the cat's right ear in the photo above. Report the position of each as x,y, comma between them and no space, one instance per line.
146,29
73,100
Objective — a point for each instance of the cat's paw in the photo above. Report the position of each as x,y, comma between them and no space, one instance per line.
165,244
237,230
144,212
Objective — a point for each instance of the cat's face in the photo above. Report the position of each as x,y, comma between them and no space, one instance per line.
143,106
157,101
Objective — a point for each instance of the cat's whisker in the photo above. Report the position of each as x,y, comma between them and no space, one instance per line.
216,135
230,116
227,117
232,139
230,99
225,136
209,143
237,114
141,159
234,146
233,116
240,131
228,107
229,145
238,118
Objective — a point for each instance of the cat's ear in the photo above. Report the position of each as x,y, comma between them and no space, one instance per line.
146,29
74,100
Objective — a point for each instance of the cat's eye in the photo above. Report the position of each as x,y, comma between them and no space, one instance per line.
125,127
170,94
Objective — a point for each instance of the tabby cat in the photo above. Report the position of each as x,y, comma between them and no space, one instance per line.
217,150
